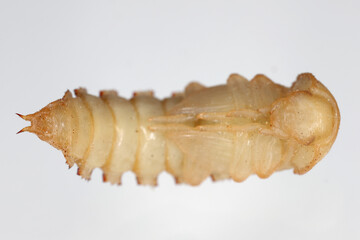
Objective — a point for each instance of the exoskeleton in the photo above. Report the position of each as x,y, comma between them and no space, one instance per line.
227,131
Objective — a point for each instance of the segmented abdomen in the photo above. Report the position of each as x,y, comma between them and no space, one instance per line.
226,131
112,133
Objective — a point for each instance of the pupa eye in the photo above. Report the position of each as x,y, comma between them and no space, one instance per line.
227,131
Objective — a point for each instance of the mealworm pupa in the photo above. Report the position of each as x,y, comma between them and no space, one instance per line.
227,131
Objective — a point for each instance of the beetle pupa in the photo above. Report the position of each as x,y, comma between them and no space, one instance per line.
227,131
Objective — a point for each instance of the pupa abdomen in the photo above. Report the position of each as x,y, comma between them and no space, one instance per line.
226,131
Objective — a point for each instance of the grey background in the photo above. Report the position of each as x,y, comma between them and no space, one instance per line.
47,47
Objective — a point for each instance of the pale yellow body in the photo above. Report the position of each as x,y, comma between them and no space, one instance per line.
227,131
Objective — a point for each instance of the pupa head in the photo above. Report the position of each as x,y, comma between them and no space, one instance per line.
309,115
